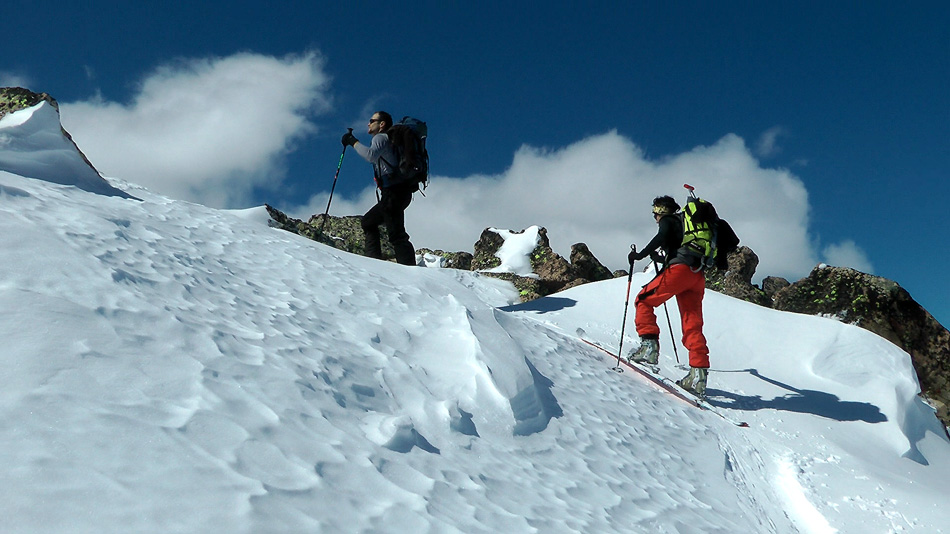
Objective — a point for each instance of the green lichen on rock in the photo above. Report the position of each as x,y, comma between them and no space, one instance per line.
486,250
539,256
14,99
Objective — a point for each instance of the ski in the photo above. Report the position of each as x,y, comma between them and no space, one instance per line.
668,386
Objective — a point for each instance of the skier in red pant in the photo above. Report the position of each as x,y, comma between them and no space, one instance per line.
679,275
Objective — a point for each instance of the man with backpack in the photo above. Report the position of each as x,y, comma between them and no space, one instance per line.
394,196
680,275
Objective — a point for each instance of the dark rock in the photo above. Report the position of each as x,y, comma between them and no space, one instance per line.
773,284
451,260
586,266
344,233
736,281
486,248
555,272
16,98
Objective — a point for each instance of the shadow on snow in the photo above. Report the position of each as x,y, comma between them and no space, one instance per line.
808,401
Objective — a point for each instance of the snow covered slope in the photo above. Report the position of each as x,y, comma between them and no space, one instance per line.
32,143
174,368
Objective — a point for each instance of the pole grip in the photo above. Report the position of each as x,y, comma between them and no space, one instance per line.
633,248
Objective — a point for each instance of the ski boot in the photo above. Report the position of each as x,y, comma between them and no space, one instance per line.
695,381
648,354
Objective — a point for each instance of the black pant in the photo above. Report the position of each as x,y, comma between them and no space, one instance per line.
391,211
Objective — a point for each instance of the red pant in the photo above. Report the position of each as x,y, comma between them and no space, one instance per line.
688,288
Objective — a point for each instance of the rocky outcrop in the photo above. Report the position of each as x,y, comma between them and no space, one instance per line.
486,249
736,281
552,269
449,260
343,233
773,284
554,273
16,98
885,308
586,266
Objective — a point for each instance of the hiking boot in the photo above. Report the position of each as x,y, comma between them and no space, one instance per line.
648,353
695,381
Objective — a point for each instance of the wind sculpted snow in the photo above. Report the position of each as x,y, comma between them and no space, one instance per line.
34,144
175,368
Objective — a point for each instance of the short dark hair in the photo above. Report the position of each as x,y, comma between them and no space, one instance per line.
666,204
385,117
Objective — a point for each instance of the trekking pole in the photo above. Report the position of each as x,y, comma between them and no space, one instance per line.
626,305
669,324
326,215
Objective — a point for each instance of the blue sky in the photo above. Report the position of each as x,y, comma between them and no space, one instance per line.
821,129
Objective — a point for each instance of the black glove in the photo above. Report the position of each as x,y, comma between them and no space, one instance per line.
348,139
632,257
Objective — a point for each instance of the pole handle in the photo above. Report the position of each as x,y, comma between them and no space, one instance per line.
350,130
633,248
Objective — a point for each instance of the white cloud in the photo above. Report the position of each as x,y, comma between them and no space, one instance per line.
767,145
205,130
847,254
599,191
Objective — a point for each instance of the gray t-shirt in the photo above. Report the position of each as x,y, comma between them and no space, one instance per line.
381,154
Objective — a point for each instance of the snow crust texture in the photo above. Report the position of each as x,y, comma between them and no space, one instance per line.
175,368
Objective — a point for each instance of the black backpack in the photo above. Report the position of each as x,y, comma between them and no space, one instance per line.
408,138
705,235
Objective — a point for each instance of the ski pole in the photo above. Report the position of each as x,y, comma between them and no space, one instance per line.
326,215
669,324
626,305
